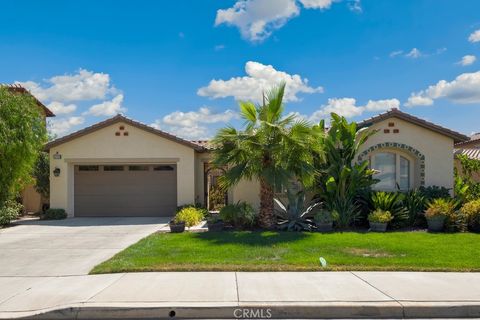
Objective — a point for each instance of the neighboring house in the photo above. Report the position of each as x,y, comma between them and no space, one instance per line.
120,167
31,199
470,148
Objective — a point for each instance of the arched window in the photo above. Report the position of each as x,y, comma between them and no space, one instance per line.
393,171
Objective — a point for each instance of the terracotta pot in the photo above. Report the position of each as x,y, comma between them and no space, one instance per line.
378,226
436,224
177,227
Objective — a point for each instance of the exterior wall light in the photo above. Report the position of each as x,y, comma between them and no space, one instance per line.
56,172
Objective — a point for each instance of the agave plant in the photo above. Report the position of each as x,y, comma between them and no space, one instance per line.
295,215
392,202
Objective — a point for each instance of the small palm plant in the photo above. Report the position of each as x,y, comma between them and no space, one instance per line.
271,148
295,214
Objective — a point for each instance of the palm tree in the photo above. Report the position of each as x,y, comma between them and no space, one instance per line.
271,148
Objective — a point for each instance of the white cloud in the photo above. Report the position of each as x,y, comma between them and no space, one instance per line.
316,4
474,36
414,54
467,60
257,19
60,108
219,47
259,78
393,54
382,105
193,124
108,108
84,85
64,125
464,89
347,107
355,6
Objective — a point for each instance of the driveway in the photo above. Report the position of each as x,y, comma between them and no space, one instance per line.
68,247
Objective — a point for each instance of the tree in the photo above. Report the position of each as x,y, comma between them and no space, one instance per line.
341,178
41,174
22,135
271,148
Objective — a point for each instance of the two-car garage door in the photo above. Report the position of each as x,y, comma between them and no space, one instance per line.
125,190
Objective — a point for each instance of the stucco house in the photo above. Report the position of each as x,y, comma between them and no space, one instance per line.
471,149
120,167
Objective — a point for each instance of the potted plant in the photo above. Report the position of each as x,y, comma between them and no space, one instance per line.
186,217
436,213
379,220
324,220
214,223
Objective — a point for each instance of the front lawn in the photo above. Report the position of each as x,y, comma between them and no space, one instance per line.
282,251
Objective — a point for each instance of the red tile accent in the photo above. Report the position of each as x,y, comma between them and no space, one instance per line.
386,131
396,131
122,128
125,133
117,133
391,124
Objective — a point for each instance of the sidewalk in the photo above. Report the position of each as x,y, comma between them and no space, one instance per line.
228,295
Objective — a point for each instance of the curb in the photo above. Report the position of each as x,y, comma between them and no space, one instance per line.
314,310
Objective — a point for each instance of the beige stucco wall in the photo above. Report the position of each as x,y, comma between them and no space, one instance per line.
102,147
31,199
436,148
248,191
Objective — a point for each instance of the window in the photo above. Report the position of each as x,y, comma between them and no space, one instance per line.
87,168
394,171
138,168
163,168
112,168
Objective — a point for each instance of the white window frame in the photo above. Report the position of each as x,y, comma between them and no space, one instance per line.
398,154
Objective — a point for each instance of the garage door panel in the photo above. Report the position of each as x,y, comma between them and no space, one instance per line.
125,193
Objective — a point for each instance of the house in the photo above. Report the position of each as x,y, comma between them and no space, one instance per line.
31,199
120,167
470,148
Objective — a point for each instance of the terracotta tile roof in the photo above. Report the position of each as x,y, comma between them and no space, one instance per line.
121,118
474,140
472,153
456,136
18,88
203,143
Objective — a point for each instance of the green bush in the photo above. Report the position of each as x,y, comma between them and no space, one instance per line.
240,215
380,216
191,216
414,201
55,214
325,216
440,207
471,212
434,192
9,211
393,203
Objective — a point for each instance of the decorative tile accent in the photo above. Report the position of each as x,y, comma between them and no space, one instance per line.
386,130
117,134
391,124
396,130
420,157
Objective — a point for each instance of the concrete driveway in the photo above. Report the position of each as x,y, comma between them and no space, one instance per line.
68,247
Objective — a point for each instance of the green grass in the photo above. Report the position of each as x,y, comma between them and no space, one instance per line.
282,251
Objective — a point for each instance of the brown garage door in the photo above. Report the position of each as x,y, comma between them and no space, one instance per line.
125,190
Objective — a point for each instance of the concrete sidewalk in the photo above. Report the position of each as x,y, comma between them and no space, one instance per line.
227,295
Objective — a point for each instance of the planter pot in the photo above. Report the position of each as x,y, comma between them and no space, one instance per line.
436,224
378,226
215,227
177,227
325,227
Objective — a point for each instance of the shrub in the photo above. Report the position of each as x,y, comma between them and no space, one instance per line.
415,202
393,203
471,212
325,216
55,214
380,216
434,192
240,214
440,207
191,216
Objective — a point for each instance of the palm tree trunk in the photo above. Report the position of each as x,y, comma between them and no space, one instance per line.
266,217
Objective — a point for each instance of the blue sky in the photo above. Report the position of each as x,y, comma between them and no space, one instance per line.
155,60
